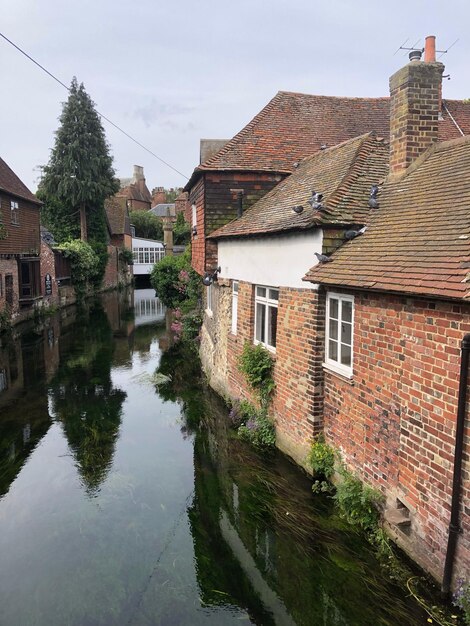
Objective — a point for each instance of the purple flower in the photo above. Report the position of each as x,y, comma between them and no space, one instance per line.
251,424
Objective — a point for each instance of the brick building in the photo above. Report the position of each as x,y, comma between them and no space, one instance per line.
20,285
392,411
134,192
259,295
369,351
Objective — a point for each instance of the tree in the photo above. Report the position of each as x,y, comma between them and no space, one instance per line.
79,175
147,225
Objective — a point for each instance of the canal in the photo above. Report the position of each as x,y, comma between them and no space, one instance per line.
125,498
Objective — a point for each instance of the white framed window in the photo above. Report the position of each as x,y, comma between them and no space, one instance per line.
209,295
234,306
339,333
266,302
15,216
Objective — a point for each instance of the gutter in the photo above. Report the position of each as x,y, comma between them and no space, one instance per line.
454,526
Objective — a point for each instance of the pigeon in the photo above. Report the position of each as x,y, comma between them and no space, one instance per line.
315,200
322,258
298,209
351,234
373,202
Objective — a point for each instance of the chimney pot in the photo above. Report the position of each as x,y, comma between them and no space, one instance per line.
430,49
415,55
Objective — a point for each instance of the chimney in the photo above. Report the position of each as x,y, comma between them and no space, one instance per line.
138,174
159,196
415,99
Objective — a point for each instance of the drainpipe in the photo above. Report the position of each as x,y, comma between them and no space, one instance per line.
454,527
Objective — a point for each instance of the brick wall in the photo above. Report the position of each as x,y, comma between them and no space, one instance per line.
394,421
48,267
298,400
9,267
414,111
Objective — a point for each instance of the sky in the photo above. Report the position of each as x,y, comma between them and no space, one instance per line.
170,72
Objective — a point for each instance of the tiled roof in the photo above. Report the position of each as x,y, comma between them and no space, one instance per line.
344,175
418,241
10,183
161,210
135,192
117,215
294,125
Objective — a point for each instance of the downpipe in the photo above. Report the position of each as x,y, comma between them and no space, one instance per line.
454,525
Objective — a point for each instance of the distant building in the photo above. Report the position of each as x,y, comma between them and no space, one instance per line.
134,192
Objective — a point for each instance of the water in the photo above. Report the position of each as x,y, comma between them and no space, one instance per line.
122,503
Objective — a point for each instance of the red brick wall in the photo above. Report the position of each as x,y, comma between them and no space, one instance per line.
298,400
197,197
7,267
48,267
394,421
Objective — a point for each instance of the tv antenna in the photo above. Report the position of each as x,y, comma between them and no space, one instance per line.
413,47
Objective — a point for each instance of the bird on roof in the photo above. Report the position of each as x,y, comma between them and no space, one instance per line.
352,234
315,200
322,258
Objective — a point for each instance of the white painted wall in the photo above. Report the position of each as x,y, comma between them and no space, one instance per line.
279,261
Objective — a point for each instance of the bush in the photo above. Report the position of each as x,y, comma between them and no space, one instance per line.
176,283
256,363
462,598
85,264
322,461
258,430
147,225
181,230
358,503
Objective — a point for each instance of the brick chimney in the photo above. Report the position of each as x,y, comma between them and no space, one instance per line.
138,174
159,196
415,100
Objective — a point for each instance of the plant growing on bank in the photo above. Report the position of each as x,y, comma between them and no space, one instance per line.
322,461
85,264
126,256
462,598
256,364
176,283
255,426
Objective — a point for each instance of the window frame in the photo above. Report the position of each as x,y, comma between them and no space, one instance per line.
234,323
268,303
331,363
14,213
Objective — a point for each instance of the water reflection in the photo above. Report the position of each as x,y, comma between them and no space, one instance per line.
124,501
147,307
83,399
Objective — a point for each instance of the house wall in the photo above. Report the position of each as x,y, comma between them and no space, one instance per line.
281,260
394,421
48,267
9,267
217,205
297,402
23,238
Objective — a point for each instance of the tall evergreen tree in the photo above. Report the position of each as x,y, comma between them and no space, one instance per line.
79,175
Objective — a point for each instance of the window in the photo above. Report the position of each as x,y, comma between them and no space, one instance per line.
209,299
15,217
234,306
1,286
339,332
193,220
266,301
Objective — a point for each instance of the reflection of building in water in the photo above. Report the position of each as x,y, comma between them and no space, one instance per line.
147,307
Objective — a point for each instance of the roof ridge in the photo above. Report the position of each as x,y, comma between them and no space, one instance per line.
317,95
352,172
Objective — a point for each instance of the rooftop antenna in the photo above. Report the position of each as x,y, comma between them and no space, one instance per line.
413,47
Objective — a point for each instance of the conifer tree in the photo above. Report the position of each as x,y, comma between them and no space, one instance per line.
79,175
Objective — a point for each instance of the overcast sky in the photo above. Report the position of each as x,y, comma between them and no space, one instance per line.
172,71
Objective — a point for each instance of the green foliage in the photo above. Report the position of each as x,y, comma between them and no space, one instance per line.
256,363
322,461
5,320
462,598
147,225
358,503
126,256
3,231
181,231
85,264
79,175
176,283
258,430
101,251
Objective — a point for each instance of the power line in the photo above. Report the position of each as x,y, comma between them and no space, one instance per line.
100,114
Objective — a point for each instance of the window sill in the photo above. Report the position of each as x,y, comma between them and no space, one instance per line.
265,345
209,313
341,374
